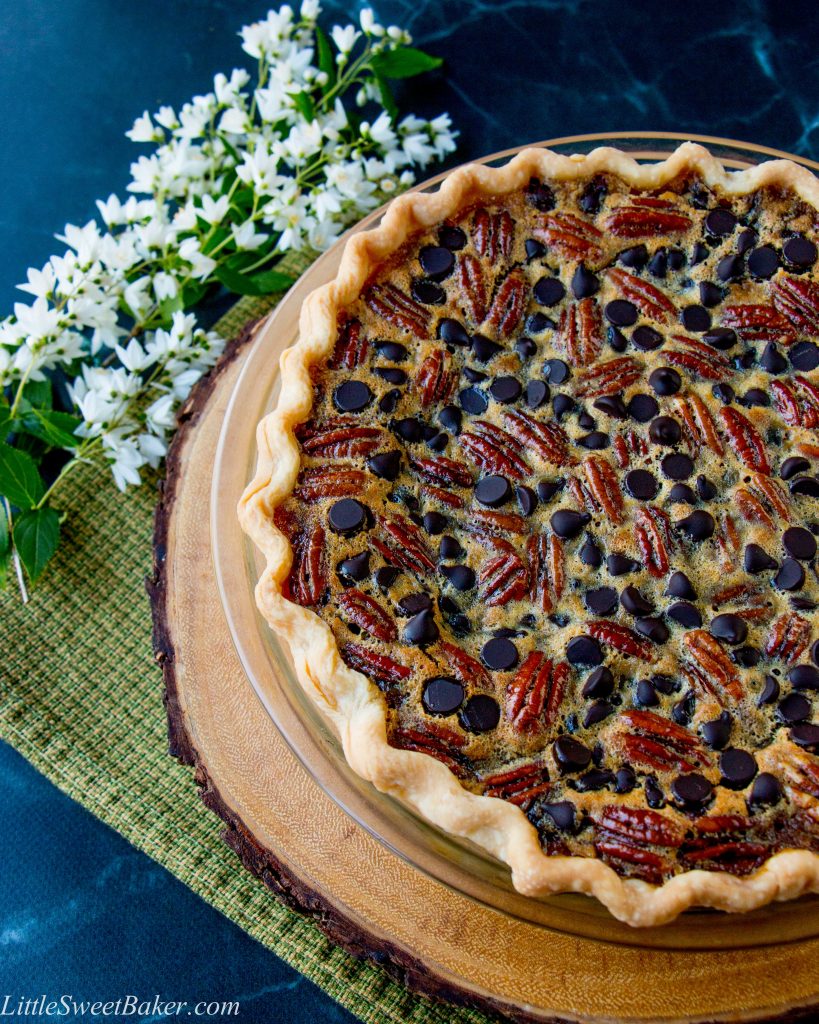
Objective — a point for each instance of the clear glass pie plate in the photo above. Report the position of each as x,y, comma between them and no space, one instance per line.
268,666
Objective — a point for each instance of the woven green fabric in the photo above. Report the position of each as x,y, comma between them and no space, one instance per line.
81,698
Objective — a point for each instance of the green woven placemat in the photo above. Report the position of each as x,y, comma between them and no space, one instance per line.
81,699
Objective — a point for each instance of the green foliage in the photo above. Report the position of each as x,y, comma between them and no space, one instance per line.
36,536
403,62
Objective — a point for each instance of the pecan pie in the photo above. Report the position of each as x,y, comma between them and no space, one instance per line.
539,506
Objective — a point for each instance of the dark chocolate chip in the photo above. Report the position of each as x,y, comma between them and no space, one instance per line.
665,381
642,408
453,333
729,627
548,291
547,489
386,466
646,338
772,359
746,241
386,576
653,629
571,755
717,732
611,405
710,294
506,389
352,396
770,692
590,554
804,356
805,485
682,493
428,292
481,713
347,517
730,268
391,374
720,222
746,657
679,585
421,629
794,708
473,401
539,195
744,360
536,323
664,430
493,491
806,735
621,565
635,257
697,526
799,542
499,654
484,349
645,695
763,262
677,467
450,548
737,768
691,791
641,484
391,350
600,683
584,650
621,313
595,441
766,791
755,397
804,677
683,710
601,600
592,196
724,392
408,429
442,696
452,237
527,500
562,404
450,418
634,602
534,249
814,652
799,252
436,261
434,523
699,253
705,489
584,283
597,778
791,575
685,614
617,340
567,523
389,402
562,813
658,264
356,567
655,797
525,348
414,603
696,319
597,712
556,371
625,779
722,338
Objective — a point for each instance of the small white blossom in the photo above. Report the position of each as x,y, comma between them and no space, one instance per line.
202,265
345,37
143,130
245,236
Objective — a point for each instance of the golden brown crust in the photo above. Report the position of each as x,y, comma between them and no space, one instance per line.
353,704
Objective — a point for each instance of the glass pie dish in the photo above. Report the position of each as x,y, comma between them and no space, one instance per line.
266,661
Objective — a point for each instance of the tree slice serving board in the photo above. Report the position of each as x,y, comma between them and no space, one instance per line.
438,941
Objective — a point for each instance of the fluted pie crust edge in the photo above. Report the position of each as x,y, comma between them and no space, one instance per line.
352,703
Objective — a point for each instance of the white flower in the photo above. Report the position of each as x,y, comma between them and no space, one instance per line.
166,116
161,414
369,25
38,320
40,282
246,237
125,459
152,449
202,265
228,90
214,211
144,130
345,37
137,297
133,357
165,286
234,121
310,10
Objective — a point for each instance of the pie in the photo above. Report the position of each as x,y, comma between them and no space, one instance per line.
539,509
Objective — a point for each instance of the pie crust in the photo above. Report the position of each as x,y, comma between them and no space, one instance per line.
354,705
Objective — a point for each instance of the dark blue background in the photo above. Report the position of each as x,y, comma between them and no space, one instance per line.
80,910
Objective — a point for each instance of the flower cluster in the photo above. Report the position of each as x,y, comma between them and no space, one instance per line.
98,363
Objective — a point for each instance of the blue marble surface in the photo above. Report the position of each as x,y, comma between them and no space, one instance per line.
80,910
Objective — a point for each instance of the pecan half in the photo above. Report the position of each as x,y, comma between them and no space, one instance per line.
503,578
319,482
435,378
638,219
652,531
384,671
628,444
366,613
463,666
797,401
547,438
351,346
727,538
404,544
608,378
307,579
438,469
600,491
698,423
649,300
698,358
442,495
507,306
339,438
494,450
434,740
797,298
762,501
485,521
472,287
398,309
621,638
572,237
579,332
547,570
745,439
758,323
788,638
712,673
722,843
534,696
518,785
623,836
661,744
492,234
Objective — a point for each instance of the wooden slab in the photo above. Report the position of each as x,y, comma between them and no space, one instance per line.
311,854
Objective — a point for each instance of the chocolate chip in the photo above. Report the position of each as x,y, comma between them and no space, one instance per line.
414,603
746,241
770,692
556,371
691,791
601,600
806,735
763,262
710,294
434,523
653,629
772,359
737,768
804,677
428,293
600,683
594,441
562,813
450,548
679,585
799,542
592,196
527,500
442,696
696,319
548,291
562,404
450,418
625,780
525,347
722,338
616,339
683,710
386,576
730,268
746,657
611,405
804,356
814,652
766,791
421,629
473,401
355,568
452,237
534,249
699,253
621,313
685,614
793,465
436,261
664,430
597,778
641,484
584,283
642,408
717,732
646,338
590,554
636,257
597,712
539,195
755,397
391,374
386,466
389,401
658,264
791,575
499,654
481,713
391,350
505,389
584,650
453,333
799,252
729,627
621,565
352,396
793,708
634,602
697,526
570,755
493,491
705,489
720,222
682,493
677,467
645,695
567,523
805,485
347,517
547,489
665,381
744,360
655,797
484,349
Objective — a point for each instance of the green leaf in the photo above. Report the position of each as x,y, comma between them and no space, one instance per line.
38,392
5,419
216,239
385,92
36,536
325,56
19,479
253,284
304,105
4,569
5,540
403,62
53,427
